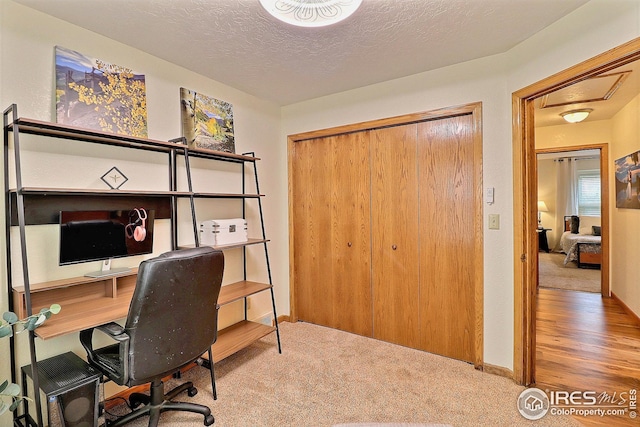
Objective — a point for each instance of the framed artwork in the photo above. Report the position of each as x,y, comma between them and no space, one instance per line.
93,94
628,181
206,122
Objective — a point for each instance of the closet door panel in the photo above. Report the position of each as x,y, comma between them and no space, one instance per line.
394,182
311,221
351,233
447,237
332,255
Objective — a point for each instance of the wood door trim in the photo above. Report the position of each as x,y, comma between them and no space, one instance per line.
475,110
525,197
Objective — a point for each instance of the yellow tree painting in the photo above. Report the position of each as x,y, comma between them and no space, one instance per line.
206,122
93,94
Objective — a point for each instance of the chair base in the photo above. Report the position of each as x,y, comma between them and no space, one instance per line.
158,402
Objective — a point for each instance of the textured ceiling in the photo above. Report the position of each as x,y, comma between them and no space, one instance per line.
237,43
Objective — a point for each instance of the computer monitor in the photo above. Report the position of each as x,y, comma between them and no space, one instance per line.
103,235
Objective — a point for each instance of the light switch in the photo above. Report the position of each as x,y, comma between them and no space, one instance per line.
489,195
494,221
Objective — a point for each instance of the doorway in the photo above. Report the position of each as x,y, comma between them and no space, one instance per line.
571,182
525,198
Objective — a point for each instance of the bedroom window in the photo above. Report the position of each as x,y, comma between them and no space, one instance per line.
589,193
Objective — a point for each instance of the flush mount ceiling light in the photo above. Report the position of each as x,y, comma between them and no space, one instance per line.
576,116
311,13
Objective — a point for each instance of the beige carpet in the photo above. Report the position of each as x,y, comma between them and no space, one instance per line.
325,377
553,274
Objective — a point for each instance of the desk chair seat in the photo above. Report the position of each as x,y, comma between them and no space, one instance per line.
172,321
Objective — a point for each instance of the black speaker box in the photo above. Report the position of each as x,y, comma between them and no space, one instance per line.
71,387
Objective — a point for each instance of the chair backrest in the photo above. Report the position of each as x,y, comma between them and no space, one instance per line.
173,316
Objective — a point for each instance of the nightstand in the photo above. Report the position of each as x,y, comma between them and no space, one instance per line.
543,243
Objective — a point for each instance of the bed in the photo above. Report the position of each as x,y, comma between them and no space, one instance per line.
581,241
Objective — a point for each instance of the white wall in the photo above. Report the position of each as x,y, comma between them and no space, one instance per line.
625,223
27,42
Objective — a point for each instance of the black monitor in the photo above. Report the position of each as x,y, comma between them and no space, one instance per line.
103,235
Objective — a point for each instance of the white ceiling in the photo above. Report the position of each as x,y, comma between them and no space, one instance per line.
237,43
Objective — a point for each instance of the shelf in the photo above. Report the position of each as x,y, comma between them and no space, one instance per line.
56,130
236,337
42,191
43,205
231,246
220,155
239,290
227,195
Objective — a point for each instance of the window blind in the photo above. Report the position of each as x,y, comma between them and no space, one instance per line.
589,193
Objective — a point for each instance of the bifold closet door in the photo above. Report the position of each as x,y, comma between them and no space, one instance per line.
447,237
394,221
332,248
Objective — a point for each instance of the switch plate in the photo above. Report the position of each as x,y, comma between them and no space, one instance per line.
489,195
494,221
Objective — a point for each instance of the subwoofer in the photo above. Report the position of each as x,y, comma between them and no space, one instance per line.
71,387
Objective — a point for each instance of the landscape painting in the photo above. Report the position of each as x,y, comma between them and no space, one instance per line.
93,94
628,181
206,122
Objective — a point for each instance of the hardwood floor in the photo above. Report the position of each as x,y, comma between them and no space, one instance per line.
587,343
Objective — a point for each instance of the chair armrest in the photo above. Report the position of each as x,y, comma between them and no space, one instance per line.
96,356
112,329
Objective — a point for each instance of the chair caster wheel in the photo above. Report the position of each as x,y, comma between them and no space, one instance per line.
208,420
192,391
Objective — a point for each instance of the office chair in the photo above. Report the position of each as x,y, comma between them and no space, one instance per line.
172,321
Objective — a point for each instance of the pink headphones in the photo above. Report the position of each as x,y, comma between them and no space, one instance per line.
137,222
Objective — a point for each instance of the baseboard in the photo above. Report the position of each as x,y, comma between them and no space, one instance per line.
498,370
626,308
284,319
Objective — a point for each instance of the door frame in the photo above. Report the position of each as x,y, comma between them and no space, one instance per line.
473,109
525,197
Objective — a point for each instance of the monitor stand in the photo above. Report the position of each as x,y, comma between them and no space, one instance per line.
107,270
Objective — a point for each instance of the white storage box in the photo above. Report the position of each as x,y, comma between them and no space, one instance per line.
218,232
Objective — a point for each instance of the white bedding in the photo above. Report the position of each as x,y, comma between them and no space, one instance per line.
569,244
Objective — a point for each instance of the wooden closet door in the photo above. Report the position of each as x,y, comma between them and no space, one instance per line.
311,181
447,237
394,201
332,232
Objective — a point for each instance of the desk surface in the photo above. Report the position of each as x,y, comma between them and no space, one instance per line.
89,302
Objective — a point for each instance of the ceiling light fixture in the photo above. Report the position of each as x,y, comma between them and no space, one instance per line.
311,13
576,116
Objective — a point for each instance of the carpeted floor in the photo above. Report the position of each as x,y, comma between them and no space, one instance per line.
553,274
325,377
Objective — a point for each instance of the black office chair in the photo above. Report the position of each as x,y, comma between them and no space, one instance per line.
172,321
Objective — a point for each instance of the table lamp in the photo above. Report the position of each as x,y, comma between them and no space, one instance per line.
542,207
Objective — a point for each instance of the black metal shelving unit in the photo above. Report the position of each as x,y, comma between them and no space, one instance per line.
26,206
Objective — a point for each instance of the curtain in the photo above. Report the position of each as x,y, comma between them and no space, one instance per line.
567,192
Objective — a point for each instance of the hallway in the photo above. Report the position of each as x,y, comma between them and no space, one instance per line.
587,343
